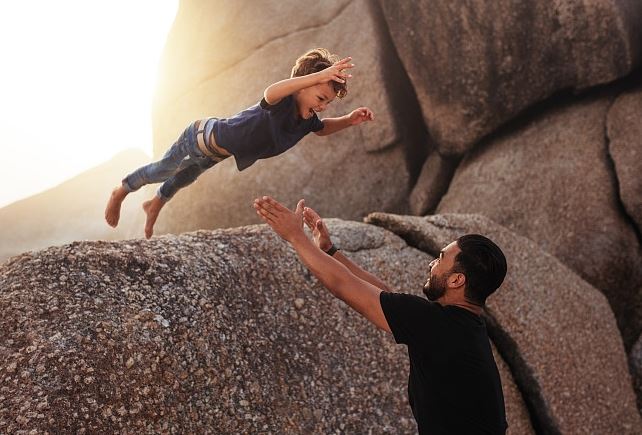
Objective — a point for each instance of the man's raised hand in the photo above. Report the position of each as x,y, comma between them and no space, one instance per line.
286,223
320,232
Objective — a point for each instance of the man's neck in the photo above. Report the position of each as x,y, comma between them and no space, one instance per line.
465,304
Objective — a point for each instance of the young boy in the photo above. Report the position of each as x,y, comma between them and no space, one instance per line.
287,112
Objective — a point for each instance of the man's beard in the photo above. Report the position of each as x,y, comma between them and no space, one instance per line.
435,288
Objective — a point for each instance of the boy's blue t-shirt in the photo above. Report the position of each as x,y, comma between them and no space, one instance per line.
263,131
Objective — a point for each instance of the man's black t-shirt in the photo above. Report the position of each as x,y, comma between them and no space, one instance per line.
454,386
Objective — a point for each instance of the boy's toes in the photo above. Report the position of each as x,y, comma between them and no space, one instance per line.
111,219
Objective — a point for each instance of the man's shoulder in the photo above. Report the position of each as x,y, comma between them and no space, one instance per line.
407,298
409,316
405,302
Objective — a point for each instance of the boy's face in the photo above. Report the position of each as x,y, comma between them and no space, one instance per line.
314,99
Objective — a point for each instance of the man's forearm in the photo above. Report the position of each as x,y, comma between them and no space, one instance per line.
331,273
360,272
279,90
359,294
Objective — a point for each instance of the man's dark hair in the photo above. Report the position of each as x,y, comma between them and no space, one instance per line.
484,265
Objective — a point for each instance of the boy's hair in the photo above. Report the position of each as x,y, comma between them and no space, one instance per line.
483,263
317,60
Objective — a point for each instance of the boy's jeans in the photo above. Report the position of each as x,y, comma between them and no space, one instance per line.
180,166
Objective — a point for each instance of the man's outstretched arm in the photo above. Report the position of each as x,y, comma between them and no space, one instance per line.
357,293
322,240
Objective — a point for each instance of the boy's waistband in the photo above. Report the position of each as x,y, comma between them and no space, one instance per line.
207,142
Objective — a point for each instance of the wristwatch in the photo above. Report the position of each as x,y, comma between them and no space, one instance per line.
333,249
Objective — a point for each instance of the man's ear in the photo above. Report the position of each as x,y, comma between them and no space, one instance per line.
456,280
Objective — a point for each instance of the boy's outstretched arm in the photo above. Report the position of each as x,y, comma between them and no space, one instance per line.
359,294
356,117
279,90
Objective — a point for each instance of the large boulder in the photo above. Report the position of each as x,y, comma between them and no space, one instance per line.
349,174
73,210
624,132
550,179
557,332
519,422
224,331
220,331
477,64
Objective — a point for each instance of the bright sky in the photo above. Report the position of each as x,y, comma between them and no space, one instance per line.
76,86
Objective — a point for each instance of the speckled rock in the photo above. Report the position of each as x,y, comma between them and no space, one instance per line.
624,131
185,334
635,364
210,331
519,422
477,64
557,332
551,179
337,173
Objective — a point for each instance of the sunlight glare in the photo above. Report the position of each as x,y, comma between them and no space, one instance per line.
76,86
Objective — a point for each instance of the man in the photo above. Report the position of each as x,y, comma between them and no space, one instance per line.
454,386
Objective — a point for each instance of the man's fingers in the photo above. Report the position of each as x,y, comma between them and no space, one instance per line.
264,208
308,222
265,218
266,214
314,216
299,207
272,205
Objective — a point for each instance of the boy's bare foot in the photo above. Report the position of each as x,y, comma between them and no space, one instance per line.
152,208
112,211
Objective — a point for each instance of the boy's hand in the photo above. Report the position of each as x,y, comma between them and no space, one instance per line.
335,72
362,114
284,222
320,232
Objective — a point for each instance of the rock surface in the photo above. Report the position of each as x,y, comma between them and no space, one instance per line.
476,64
432,184
551,179
635,364
624,131
555,331
223,330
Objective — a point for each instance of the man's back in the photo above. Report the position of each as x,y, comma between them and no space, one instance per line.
454,386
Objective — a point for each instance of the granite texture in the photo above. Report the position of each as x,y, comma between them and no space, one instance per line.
477,64
221,332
